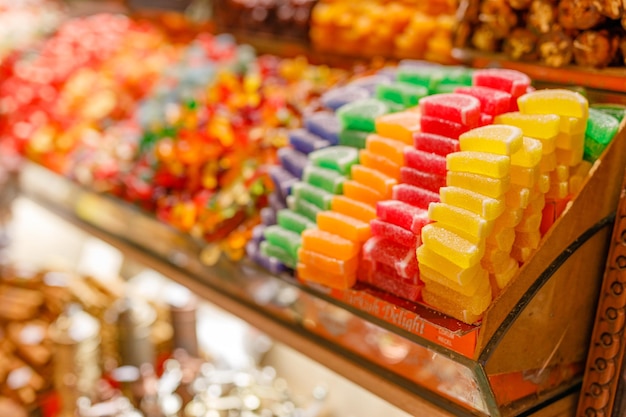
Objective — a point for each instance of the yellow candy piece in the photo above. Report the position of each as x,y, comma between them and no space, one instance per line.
522,254
560,173
432,276
463,222
570,157
486,207
543,185
452,246
498,139
343,225
517,197
502,237
572,125
511,217
568,141
529,239
329,244
399,126
554,101
504,277
374,179
432,260
530,155
558,190
578,175
544,127
525,177
548,162
495,261
353,208
466,309
363,193
491,187
389,148
529,224
481,163
536,205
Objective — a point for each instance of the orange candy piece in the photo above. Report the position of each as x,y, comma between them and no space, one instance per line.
310,273
353,208
374,179
399,126
362,193
384,165
327,264
387,148
344,226
329,244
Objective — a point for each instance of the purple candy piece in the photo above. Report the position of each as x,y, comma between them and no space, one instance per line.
370,82
270,263
388,72
268,216
337,97
252,250
416,63
324,124
306,142
283,180
276,201
293,161
257,233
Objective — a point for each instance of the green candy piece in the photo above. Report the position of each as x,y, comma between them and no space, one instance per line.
592,150
269,250
353,138
401,92
425,76
324,178
337,158
362,114
285,239
290,220
616,110
601,127
447,88
394,107
314,195
303,207
458,76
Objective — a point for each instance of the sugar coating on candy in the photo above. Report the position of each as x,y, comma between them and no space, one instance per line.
452,246
371,82
570,157
329,244
338,158
554,101
491,187
283,180
309,273
268,216
529,225
373,179
403,215
529,155
502,237
305,208
492,101
353,208
424,161
291,220
496,260
485,119
437,144
513,82
327,263
283,238
459,108
324,178
401,92
601,127
272,251
414,196
428,77
456,273
314,195
340,96
481,163
362,114
517,196
572,125
548,161
454,304
325,125
385,147
293,161
567,141
385,278
394,233
503,278
463,222
538,126
480,204
361,192
443,127
306,142
375,161
429,275
343,225
425,180
400,126
353,138
385,251
498,139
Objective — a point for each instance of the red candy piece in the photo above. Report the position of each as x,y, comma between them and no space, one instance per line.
492,101
486,119
426,180
385,278
433,143
425,162
414,196
394,233
443,127
403,215
513,82
458,108
402,258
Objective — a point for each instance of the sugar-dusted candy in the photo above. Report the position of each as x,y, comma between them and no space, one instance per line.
338,158
425,161
570,141
400,92
525,177
570,157
425,180
560,173
314,195
324,178
517,197
452,246
276,201
283,238
309,273
543,184
548,162
458,108
329,244
340,96
529,239
428,77
325,125
373,179
385,278
371,82
487,207
464,223
293,161
459,306
554,101
362,114
306,142
269,263
394,233
353,208
601,129
522,254
538,126
578,176
343,225
485,119
375,161
403,215
437,144
506,276
502,237
443,127
613,109
492,101
429,275
513,82
272,251
481,163
558,190
291,220
389,148
399,126
572,125
305,208
511,217
491,187
361,192
414,196
529,156
353,138
327,263
385,251
535,205
495,260
462,276
498,139
268,216
283,180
